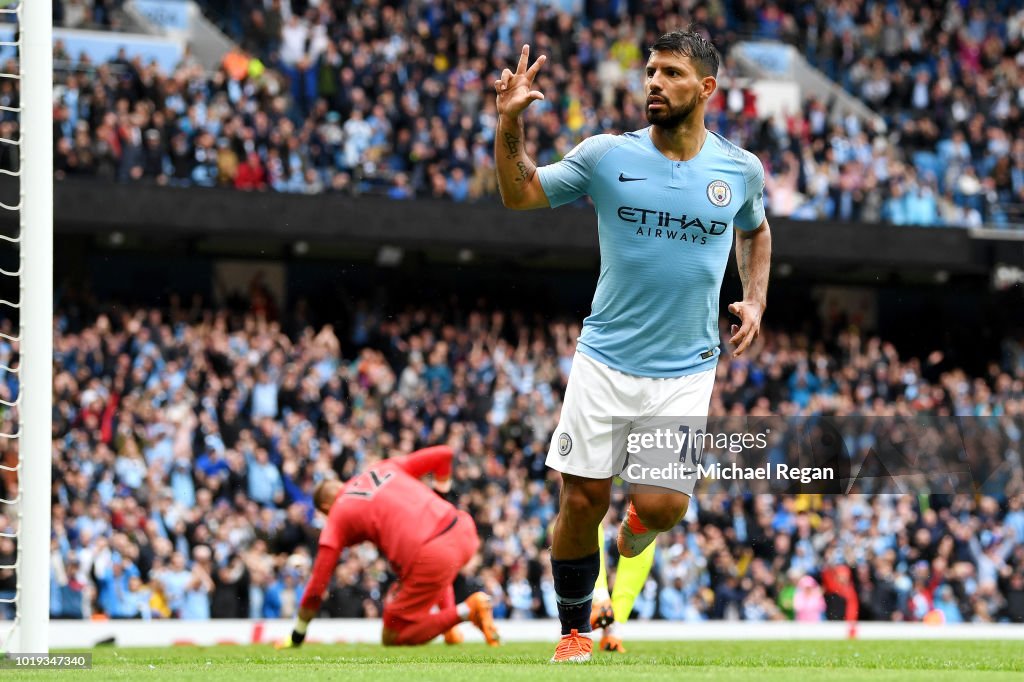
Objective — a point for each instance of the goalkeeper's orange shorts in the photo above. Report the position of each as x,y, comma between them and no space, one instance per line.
427,582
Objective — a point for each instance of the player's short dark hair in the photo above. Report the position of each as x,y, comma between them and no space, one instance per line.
694,46
321,494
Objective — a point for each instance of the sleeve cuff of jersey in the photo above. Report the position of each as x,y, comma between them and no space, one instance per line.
760,219
554,200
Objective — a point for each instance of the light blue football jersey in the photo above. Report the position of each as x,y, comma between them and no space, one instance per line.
666,230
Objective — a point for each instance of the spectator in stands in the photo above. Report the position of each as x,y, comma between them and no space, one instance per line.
118,580
282,597
946,604
672,603
808,602
175,581
265,484
251,175
346,599
400,188
840,596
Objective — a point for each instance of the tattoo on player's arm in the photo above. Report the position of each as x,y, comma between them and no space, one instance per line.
525,172
511,144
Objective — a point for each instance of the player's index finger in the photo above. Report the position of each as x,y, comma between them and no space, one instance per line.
748,339
524,59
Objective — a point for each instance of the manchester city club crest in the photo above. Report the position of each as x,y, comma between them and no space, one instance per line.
564,444
719,193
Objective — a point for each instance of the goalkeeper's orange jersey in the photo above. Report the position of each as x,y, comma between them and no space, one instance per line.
389,506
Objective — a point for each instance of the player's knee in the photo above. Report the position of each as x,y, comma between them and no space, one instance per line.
390,637
584,500
661,514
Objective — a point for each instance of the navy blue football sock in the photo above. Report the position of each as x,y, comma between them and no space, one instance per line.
574,590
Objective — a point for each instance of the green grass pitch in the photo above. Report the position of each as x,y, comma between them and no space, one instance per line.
933,661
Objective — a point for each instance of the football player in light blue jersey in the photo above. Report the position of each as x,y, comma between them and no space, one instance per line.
670,200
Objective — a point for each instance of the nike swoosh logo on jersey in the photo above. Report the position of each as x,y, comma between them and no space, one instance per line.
623,178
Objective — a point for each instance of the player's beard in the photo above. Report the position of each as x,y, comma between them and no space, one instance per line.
671,117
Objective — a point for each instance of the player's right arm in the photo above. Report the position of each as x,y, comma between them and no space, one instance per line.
517,173
522,184
333,539
323,568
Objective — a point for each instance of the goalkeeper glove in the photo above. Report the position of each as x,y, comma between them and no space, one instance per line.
446,491
292,641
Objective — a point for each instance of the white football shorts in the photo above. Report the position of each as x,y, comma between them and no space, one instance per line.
639,428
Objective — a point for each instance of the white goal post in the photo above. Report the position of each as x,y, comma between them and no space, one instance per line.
35,337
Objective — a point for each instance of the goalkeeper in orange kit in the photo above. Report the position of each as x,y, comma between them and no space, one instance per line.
425,538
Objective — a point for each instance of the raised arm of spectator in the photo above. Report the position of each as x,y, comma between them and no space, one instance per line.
517,173
183,436
201,579
1003,550
436,460
107,420
975,546
278,484
292,489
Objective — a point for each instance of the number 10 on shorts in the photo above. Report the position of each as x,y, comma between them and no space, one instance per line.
690,444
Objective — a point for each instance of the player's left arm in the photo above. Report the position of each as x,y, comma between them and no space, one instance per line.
753,257
436,460
753,260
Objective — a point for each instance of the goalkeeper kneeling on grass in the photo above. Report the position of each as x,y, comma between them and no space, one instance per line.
425,538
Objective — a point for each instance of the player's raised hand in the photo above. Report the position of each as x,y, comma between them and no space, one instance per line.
515,90
749,327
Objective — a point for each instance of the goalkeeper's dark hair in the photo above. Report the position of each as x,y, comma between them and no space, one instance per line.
693,45
323,496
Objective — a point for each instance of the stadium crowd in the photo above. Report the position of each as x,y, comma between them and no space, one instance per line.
187,443
396,99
